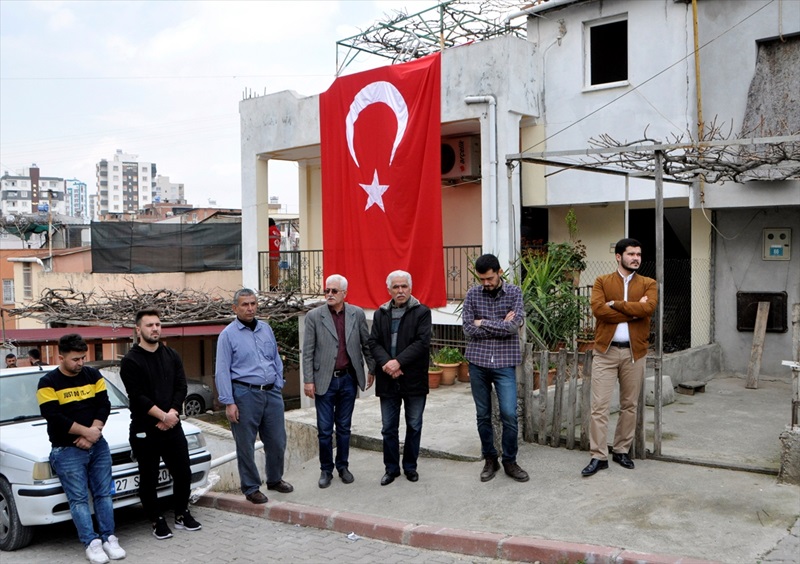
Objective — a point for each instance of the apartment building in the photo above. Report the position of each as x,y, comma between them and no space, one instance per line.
125,184
29,192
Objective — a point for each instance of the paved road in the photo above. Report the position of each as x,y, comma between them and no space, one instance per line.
227,537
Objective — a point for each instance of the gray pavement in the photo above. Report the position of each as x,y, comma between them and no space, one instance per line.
659,509
227,537
659,512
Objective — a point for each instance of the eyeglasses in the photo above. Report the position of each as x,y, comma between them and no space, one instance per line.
333,291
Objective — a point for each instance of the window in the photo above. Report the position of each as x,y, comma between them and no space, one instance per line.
606,59
116,167
27,281
8,291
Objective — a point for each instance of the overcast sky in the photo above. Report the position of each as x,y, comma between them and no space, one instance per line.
162,80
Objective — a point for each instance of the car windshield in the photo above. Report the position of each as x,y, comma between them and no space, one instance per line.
18,396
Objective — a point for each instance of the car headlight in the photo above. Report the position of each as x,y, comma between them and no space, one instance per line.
43,471
195,441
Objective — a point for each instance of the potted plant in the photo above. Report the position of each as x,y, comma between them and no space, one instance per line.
434,374
448,358
463,371
553,307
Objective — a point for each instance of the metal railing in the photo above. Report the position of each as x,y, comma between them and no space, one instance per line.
301,272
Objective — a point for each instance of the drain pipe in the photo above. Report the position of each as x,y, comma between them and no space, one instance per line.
491,191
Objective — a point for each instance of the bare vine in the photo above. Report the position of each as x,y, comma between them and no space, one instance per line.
720,162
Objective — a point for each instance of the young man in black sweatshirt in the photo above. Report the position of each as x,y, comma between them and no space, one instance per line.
156,385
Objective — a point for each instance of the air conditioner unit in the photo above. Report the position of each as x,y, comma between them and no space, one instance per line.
461,157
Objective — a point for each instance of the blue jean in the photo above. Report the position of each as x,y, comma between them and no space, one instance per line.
505,385
260,411
390,419
335,406
83,471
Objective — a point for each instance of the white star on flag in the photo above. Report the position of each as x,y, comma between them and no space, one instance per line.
375,192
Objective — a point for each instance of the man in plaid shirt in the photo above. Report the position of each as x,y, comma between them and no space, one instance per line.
492,316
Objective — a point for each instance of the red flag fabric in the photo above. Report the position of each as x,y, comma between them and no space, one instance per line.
381,180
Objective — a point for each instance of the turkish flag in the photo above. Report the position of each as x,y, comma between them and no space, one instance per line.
381,180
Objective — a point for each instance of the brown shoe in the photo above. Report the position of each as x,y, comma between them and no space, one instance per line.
490,468
283,487
512,469
256,497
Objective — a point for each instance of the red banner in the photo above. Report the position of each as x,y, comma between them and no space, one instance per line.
381,180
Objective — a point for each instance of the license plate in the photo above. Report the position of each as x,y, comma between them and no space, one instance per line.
130,484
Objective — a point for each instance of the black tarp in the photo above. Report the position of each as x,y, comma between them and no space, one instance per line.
136,247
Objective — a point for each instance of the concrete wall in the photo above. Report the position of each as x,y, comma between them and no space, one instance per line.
740,267
698,363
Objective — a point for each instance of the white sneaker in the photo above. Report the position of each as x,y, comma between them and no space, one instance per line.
94,552
113,549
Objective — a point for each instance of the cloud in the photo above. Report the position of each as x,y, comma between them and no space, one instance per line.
59,17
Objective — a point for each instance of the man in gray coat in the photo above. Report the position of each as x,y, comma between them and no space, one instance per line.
334,351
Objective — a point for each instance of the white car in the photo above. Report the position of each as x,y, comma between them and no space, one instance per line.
30,492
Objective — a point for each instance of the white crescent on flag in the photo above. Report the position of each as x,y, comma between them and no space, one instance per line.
374,93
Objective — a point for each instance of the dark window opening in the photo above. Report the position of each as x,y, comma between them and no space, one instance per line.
608,48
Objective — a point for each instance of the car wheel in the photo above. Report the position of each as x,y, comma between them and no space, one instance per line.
194,405
13,534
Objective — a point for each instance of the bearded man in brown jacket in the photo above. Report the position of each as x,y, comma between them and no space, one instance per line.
622,303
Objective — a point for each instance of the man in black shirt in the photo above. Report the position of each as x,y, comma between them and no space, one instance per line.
156,385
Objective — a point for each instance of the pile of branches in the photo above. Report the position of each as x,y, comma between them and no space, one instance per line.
177,307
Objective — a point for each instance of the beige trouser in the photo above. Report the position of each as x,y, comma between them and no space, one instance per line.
607,368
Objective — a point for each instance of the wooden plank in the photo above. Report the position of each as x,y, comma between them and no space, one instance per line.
586,399
572,402
759,332
527,390
558,398
543,364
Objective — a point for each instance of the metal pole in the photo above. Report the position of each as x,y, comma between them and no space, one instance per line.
627,202
659,174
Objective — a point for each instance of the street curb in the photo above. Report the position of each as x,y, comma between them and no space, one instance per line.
472,543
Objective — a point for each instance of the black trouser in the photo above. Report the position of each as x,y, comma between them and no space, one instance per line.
172,448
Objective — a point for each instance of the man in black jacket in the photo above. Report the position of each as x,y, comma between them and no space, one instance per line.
400,344
156,385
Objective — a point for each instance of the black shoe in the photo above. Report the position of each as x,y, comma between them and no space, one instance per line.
623,460
256,497
282,487
346,476
161,529
388,478
490,468
186,522
325,479
512,469
593,466
412,476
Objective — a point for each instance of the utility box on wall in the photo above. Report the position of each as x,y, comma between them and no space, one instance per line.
777,243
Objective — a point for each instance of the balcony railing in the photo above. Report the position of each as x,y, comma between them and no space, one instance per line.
300,272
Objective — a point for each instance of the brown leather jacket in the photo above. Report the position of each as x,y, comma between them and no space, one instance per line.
610,287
